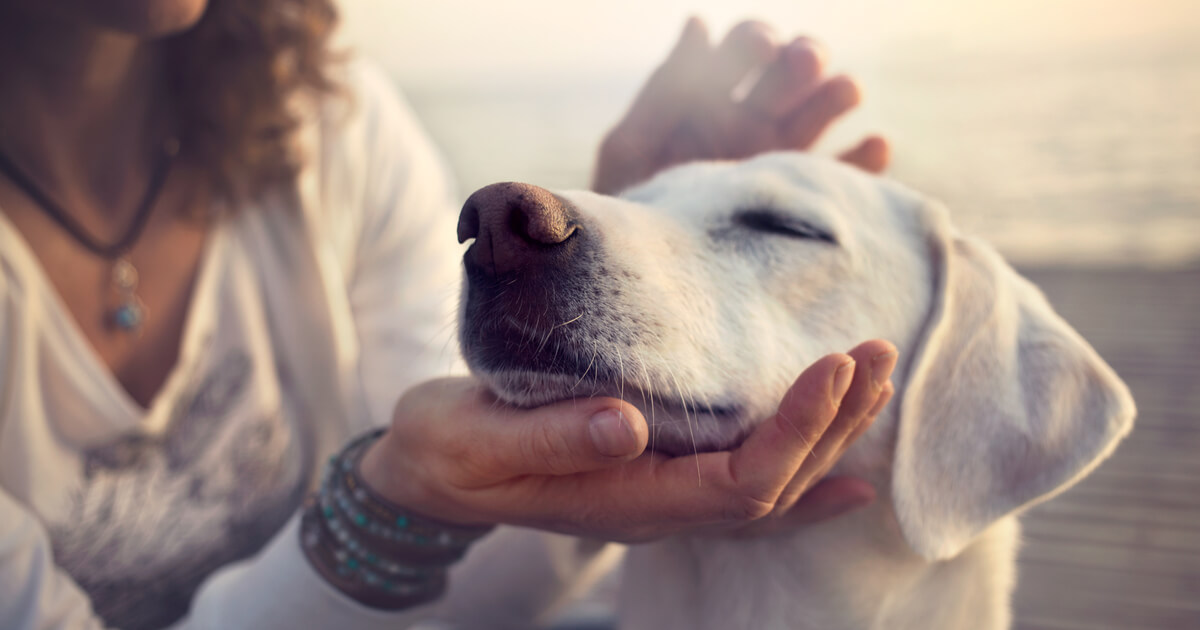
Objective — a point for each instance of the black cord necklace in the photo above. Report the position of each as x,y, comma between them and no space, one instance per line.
130,312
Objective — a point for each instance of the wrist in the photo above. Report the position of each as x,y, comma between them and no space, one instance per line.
376,472
394,587
374,551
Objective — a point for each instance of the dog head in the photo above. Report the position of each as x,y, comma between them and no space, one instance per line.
700,295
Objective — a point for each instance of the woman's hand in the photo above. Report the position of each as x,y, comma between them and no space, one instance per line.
579,467
688,111
802,501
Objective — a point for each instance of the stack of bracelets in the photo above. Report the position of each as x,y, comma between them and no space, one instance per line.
378,553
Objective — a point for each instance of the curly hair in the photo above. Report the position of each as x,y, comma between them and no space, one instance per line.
233,78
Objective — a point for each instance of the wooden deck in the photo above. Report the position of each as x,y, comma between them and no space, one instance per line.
1121,551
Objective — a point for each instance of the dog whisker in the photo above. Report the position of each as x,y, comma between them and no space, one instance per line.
621,368
595,351
570,321
687,419
649,390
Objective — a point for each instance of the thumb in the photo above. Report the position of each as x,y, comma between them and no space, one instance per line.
568,437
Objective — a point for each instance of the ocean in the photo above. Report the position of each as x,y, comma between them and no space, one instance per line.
1087,159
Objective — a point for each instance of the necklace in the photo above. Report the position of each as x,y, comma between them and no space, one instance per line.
129,313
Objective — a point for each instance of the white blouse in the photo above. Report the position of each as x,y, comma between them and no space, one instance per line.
311,314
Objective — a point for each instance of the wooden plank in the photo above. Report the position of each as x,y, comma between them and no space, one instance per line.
1149,479
1097,509
1134,560
1049,529
1122,550
1057,578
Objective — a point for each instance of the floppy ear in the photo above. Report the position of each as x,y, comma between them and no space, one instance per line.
1005,404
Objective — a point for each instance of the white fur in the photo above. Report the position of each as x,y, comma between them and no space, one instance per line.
999,403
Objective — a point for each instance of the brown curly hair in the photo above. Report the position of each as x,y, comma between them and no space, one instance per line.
233,78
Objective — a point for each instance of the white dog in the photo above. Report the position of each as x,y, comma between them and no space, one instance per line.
700,295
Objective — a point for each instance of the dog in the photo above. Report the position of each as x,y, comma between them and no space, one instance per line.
701,294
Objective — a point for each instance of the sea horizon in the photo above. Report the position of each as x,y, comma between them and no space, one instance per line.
1089,158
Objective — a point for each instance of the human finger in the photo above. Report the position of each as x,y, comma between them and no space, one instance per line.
830,498
829,100
885,397
632,150
480,441
874,361
657,107
768,459
747,46
562,439
757,471
788,80
872,154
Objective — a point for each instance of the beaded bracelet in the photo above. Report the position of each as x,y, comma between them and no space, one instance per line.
386,520
351,577
378,553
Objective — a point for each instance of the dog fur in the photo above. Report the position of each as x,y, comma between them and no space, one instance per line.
700,295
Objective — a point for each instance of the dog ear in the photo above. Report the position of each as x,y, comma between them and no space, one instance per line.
1005,404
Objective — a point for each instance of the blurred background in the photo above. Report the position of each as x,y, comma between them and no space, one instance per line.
1067,132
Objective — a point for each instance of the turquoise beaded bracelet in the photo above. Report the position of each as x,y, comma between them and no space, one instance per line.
379,553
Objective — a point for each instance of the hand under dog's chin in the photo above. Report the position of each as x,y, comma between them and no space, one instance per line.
674,429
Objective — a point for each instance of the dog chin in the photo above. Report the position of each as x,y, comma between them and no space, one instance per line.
674,431
521,388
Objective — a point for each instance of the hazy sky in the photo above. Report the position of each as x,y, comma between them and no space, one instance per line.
538,37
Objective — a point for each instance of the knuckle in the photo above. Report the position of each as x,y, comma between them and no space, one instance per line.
463,472
826,419
462,461
749,508
546,449
881,402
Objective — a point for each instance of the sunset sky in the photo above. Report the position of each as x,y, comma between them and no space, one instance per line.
461,38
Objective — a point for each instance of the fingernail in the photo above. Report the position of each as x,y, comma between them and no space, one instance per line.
881,367
841,381
612,434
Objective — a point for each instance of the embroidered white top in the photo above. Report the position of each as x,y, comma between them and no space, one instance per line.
311,314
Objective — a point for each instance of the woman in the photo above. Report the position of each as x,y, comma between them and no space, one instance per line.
224,254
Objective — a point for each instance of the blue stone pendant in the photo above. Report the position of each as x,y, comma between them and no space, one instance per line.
128,316
130,313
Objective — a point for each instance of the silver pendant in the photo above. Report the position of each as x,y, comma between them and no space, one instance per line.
130,312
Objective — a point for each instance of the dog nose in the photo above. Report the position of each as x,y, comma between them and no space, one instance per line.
514,226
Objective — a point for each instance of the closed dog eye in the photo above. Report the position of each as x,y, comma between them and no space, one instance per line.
774,222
